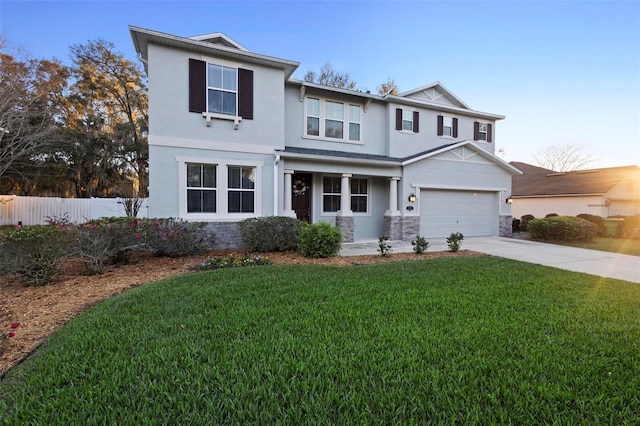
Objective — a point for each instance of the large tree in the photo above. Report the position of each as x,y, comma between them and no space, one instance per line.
563,158
109,112
330,77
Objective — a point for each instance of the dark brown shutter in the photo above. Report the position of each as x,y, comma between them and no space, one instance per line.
197,85
245,94
489,133
416,121
454,131
476,131
398,118
440,125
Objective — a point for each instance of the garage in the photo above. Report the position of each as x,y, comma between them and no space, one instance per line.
473,213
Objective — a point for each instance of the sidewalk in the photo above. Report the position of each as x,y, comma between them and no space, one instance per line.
604,264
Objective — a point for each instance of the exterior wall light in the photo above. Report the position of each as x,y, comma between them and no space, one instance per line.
509,200
412,198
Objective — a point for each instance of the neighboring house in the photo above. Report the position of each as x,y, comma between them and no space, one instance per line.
232,136
601,192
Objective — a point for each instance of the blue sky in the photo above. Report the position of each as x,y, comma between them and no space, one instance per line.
560,71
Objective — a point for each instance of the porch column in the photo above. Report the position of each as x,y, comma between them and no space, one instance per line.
392,219
344,216
393,197
287,194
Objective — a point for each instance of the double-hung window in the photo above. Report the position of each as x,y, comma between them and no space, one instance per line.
331,194
407,120
241,189
333,119
359,195
447,126
222,89
482,131
201,188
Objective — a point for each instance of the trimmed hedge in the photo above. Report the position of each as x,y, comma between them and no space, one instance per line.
596,220
562,228
272,233
631,227
524,220
320,240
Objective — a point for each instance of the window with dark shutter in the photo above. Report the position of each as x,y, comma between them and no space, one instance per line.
489,133
398,118
455,127
416,119
245,94
476,131
197,85
440,125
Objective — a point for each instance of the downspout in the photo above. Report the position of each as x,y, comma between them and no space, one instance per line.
276,160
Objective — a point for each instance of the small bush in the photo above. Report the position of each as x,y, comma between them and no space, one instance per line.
631,227
552,215
562,228
35,252
420,245
384,248
524,220
269,234
596,220
232,261
320,240
176,237
455,241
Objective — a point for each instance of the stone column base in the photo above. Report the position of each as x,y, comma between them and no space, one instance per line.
410,227
393,227
346,225
505,226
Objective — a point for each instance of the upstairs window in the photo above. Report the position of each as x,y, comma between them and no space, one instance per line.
407,120
222,89
447,126
201,188
482,132
218,89
332,119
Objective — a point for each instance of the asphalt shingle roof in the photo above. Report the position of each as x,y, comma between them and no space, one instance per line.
539,181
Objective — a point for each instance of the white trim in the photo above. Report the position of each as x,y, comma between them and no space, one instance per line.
322,117
457,187
207,144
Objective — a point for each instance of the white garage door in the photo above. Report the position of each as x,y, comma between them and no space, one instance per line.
472,213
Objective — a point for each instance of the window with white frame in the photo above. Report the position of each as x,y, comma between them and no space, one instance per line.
201,188
407,120
359,195
241,189
222,89
327,118
482,131
331,194
447,126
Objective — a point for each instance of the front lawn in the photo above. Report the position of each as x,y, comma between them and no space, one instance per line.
614,245
475,340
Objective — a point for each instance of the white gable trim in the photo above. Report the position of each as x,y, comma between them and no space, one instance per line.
487,155
213,36
436,85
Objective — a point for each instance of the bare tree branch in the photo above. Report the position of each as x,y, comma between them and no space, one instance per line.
564,158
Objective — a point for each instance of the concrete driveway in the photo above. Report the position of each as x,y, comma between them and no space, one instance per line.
604,264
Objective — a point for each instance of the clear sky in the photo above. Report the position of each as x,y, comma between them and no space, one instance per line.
560,71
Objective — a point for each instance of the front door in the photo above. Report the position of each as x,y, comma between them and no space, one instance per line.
301,196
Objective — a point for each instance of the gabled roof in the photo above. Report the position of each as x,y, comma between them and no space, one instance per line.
219,38
536,181
384,160
432,92
215,44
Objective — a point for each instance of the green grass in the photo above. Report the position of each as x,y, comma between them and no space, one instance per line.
614,245
476,340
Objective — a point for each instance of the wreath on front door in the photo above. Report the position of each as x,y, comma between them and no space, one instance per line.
299,188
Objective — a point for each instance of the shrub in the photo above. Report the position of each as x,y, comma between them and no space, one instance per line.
552,215
562,228
524,220
515,225
384,248
232,261
35,252
596,220
420,244
455,241
320,240
112,238
273,233
631,227
176,237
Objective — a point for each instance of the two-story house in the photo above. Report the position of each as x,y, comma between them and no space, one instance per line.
232,135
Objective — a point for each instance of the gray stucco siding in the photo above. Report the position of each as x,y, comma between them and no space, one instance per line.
169,114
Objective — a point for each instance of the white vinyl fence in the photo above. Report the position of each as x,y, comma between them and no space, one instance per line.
36,210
